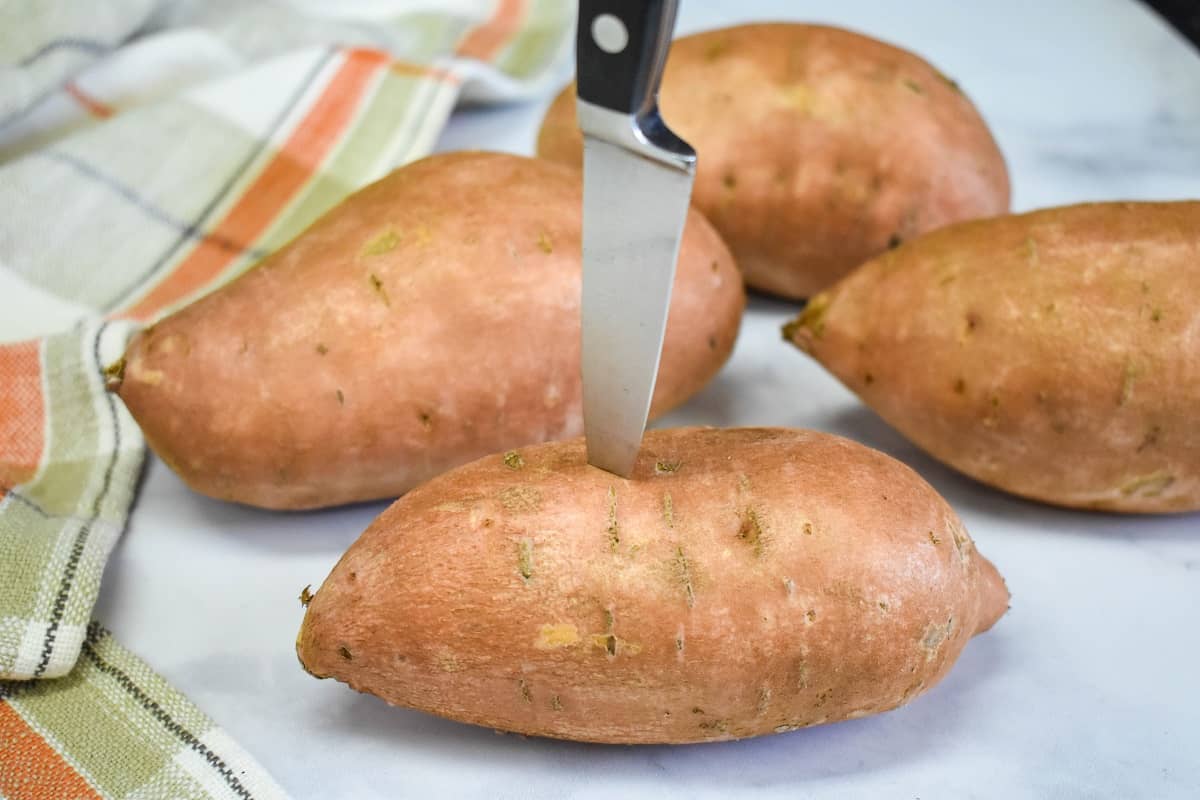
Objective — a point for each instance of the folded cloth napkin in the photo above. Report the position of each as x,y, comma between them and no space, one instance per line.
149,152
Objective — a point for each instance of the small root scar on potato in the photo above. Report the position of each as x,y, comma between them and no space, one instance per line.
513,460
306,596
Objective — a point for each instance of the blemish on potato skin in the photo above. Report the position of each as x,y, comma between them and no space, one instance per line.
150,377
557,635
764,699
513,460
612,529
960,386
321,349
729,181
810,616
751,531
933,539
681,567
544,244
666,467
1031,251
555,703
345,653
894,241
425,419
799,674
306,596
1128,379
377,286
1151,438
607,642
807,529
789,587
341,398
934,636
519,499
526,694
383,243
1152,485
716,49
718,725
668,510
525,559
991,419
953,84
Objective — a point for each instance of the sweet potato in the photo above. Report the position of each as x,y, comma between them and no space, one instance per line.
1054,355
428,320
743,582
818,147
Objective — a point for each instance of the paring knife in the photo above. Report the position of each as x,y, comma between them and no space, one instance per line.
637,185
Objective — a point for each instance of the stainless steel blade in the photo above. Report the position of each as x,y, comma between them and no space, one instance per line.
634,210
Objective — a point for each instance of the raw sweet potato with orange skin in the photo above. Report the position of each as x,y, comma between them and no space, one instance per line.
430,319
1054,355
818,147
743,582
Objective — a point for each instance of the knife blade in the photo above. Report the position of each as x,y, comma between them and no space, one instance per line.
637,186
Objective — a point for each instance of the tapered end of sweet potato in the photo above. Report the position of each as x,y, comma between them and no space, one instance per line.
114,375
805,330
994,595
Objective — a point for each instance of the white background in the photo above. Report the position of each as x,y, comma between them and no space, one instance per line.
1087,688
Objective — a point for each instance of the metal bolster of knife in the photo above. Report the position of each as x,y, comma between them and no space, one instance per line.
647,135
622,47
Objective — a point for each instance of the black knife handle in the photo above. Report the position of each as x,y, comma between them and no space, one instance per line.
626,80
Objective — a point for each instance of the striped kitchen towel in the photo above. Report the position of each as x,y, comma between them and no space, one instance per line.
113,728
151,150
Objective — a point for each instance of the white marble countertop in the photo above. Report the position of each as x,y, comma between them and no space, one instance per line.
1087,688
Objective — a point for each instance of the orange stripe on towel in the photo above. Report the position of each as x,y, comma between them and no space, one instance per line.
279,182
30,769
